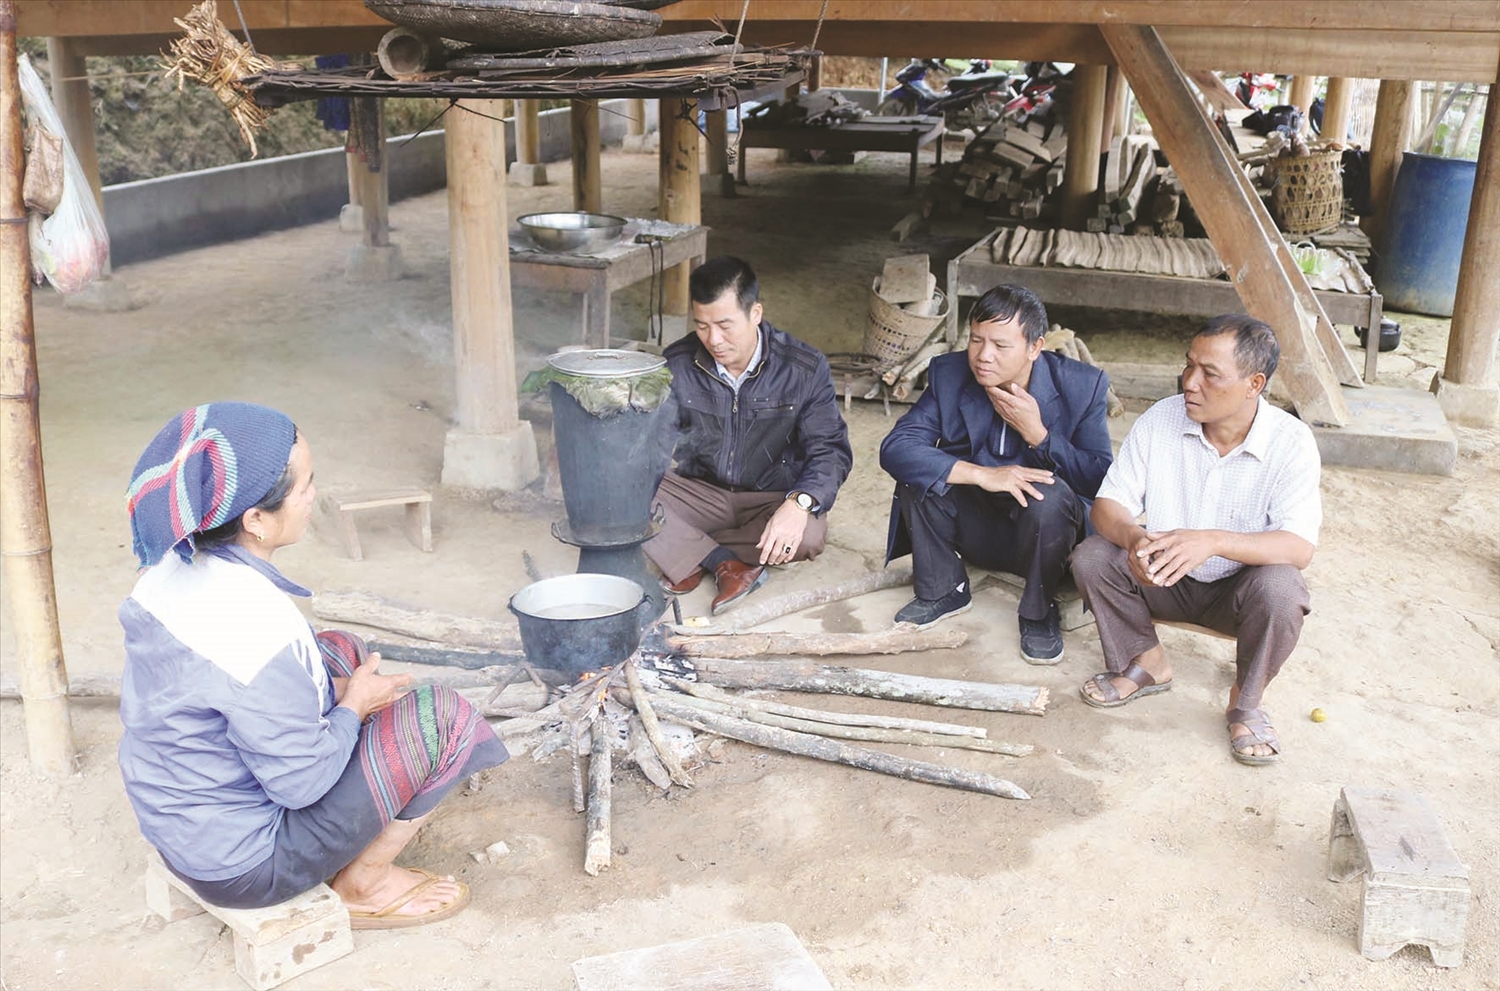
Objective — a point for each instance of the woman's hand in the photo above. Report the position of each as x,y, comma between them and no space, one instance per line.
368,691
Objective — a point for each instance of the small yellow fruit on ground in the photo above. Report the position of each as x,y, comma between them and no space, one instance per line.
1317,715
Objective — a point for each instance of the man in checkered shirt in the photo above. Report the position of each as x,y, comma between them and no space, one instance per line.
1228,485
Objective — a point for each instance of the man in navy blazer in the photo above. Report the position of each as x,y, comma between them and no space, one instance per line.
997,464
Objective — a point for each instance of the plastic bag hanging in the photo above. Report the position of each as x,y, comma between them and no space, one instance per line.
71,247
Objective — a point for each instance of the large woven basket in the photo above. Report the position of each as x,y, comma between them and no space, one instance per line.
892,334
1308,193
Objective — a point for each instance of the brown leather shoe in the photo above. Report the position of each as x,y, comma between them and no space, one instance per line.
736,580
686,585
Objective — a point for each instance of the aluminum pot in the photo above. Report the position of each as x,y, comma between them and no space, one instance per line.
579,623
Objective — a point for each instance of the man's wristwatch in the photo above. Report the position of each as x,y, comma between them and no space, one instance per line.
803,500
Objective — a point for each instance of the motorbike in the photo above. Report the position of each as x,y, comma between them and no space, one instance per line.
971,100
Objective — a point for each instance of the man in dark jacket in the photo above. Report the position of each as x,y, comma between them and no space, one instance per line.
761,449
996,464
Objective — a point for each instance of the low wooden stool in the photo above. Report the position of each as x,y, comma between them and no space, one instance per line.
271,945
418,517
767,956
1415,890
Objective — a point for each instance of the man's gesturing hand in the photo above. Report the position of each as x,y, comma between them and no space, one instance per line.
1019,480
783,534
1018,408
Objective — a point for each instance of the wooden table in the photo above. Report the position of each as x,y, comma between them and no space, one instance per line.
973,272
908,134
595,277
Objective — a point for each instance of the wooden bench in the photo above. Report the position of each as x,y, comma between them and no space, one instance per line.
418,517
1414,889
271,945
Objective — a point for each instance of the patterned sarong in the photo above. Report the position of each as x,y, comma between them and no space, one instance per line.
408,757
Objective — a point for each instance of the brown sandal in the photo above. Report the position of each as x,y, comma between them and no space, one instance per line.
1258,730
387,918
1145,684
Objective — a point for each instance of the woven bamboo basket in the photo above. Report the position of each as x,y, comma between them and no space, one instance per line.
1308,194
892,334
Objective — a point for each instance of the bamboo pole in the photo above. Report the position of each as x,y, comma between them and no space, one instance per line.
588,188
25,533
1085,128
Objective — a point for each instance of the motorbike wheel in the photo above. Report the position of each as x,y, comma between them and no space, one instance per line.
896,108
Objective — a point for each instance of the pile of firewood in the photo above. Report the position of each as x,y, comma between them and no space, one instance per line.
1013,168
1138,195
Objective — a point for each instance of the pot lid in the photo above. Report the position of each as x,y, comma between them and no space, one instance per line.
606,363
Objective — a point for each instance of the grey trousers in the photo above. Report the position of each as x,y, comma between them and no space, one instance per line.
1262,607
701,516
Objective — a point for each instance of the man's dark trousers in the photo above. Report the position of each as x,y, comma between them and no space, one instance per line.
995,532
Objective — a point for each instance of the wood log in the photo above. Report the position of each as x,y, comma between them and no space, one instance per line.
470,659
872,734
766,610
580,798
647,716
706,691
107,686
597,846
805,676
898,640
808,745
520,697
374,611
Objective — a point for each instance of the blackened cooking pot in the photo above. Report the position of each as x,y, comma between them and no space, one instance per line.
579,623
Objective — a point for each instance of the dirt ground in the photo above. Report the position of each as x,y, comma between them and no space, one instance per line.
1146,857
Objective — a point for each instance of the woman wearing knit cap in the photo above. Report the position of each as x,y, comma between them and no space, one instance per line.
262,758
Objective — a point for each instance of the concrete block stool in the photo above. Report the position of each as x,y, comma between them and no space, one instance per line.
418,517
1415,890
271,945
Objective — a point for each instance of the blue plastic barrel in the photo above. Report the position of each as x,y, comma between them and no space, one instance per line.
1424,235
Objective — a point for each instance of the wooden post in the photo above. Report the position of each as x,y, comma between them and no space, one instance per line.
1336,104
1303,88
1085,128
679,188
588,189
1261,269
489,446
720,179
815,75
528,169
375,258
1475,330
1114,97
1388,143
25,532
635,123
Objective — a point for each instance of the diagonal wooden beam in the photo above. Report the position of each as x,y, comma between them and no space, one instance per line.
1235,220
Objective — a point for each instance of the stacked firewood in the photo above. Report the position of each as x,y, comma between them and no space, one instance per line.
1138,195
1013,168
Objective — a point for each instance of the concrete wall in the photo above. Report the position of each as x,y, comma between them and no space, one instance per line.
155,217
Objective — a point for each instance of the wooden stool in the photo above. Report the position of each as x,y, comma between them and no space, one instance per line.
418,517
1415,890
271,945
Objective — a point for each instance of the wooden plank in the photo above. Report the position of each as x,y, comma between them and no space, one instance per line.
1232,219
763,956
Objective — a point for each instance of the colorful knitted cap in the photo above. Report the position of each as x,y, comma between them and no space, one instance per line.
203,469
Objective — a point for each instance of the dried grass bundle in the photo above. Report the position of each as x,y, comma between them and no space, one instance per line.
209,54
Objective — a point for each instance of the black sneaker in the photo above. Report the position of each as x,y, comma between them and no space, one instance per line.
923,613
1041,639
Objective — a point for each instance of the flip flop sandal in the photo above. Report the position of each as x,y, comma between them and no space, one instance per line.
387,918
1258,729
1145,684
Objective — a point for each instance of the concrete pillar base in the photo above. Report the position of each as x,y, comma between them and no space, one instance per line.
352,218
641,144
108,294
528,174
505,461
721,185
1469,405
373,263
